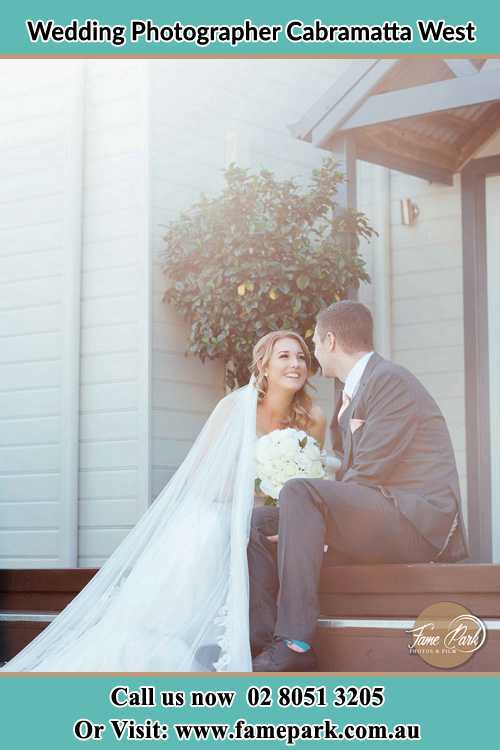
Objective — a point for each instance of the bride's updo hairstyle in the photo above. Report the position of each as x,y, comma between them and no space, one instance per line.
300,415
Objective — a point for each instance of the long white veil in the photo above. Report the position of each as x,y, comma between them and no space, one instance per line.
174,595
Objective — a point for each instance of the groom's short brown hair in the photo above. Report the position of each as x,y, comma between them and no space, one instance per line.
352,324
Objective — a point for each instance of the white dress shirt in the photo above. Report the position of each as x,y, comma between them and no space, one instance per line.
353,379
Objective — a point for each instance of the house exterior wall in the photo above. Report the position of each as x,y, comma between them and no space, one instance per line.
59,416
427,298
115,308
74,456
186,159
40,152
98,404
426,292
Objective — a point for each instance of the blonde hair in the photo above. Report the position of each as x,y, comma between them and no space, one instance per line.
300,413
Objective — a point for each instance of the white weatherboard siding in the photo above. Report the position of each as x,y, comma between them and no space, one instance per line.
425,296
427,299
115,340
186,159
40,243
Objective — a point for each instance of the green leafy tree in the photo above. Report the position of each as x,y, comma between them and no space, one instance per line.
264,254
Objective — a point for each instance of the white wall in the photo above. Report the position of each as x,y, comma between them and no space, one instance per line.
39,247
186,160
426,295
74,403
115,334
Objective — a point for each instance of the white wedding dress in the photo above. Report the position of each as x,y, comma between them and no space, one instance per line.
173,597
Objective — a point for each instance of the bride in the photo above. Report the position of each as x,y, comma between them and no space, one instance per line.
173,597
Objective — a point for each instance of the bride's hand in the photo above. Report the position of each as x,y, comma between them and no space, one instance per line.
273,538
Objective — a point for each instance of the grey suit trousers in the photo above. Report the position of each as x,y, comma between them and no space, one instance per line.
359,525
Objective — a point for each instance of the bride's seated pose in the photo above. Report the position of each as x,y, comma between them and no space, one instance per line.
174,595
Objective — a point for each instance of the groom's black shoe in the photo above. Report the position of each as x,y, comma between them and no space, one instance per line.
279,658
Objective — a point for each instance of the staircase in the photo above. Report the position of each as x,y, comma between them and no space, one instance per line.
365,610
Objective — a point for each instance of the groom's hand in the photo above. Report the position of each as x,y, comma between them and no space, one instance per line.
273,538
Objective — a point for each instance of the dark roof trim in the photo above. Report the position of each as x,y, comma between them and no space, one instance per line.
431,97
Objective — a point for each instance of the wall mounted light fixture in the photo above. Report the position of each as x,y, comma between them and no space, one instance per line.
409,212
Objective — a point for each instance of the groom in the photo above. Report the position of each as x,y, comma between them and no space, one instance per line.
396,496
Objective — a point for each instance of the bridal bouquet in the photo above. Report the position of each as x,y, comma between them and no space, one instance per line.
286,454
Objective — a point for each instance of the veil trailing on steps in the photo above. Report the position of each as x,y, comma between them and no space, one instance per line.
173,597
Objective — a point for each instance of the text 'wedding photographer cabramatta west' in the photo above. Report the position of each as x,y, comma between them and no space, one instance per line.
249,375
145,30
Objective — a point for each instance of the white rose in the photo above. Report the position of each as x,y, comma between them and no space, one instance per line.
289,445
269,488
311,450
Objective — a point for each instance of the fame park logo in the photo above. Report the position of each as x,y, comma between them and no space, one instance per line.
446,635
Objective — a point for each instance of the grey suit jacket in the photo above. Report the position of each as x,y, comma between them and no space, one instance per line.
402,446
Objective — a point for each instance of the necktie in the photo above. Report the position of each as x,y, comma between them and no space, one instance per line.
346,400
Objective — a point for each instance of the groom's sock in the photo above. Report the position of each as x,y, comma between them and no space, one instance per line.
299,646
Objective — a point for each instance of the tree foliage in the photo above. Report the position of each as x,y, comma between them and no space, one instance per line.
265,254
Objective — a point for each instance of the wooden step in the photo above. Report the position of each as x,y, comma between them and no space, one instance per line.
382,646
365,610
41,590
404,590
30,599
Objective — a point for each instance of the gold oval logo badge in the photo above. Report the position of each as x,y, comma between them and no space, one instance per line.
446,635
